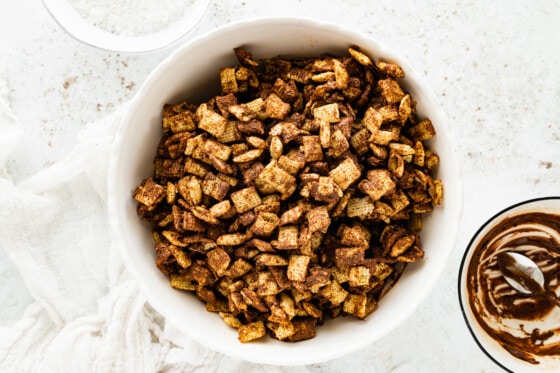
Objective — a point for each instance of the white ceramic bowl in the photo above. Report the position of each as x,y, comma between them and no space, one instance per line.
81,29
517,327
191,73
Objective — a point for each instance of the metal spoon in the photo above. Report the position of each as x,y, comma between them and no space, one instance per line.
524,275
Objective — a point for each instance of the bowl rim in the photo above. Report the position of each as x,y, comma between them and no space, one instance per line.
80,29
384,51
462,270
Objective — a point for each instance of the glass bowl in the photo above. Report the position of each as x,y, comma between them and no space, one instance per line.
85,31
519,332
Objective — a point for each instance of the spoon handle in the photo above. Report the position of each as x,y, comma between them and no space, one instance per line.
551,295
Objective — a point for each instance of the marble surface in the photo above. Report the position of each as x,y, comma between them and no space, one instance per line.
493,66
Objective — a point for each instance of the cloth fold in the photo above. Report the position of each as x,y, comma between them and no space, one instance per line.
88,314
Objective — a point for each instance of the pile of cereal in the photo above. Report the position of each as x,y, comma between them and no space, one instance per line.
295,195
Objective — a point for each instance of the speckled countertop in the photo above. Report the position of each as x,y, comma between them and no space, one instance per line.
493,66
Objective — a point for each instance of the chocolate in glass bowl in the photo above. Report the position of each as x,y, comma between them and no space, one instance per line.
525,326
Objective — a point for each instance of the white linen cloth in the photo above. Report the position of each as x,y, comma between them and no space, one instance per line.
88,314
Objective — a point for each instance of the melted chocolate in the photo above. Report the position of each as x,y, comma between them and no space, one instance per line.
526,325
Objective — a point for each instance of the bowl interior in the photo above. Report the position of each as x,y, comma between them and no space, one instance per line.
490,346
191,74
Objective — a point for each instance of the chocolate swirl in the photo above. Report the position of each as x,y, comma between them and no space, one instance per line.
526,325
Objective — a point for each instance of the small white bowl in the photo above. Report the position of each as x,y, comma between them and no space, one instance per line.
79,28
517,327
191,73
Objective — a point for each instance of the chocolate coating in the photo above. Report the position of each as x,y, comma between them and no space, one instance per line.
526,325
